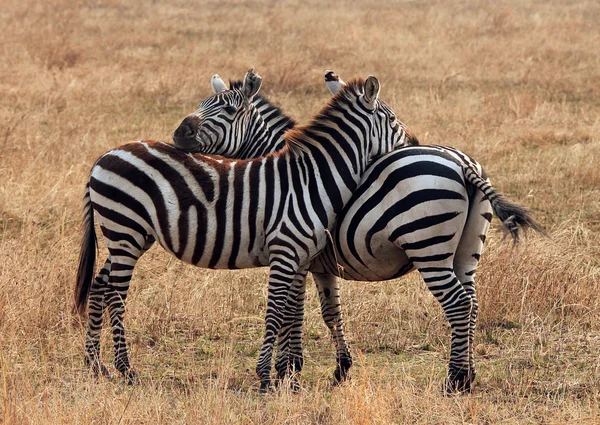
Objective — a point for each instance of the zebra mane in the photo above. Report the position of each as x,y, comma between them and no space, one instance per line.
289,121
348,93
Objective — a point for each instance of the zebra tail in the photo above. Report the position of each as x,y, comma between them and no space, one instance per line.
87,256
514,217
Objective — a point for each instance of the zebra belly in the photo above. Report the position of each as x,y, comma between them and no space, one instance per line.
227,248
388,262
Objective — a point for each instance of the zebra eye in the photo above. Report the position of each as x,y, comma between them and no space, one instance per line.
230,109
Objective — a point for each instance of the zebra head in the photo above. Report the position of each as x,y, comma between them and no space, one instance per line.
386,134
222,121
407,138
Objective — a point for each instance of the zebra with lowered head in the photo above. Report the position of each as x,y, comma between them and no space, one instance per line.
424,207
218,213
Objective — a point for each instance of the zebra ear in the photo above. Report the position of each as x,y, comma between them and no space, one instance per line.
252,83
217,84
372,88
333,81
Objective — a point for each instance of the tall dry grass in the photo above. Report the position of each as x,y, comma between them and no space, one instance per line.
514,84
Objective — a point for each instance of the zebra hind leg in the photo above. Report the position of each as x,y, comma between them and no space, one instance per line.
96,306
329,295
457,305
124,258
467,258
97,302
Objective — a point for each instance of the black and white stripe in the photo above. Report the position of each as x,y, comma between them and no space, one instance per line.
219,213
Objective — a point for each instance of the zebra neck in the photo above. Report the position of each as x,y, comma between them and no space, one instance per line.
267,139
258,137
330,176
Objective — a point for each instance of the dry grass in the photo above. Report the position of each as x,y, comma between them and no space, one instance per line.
516,84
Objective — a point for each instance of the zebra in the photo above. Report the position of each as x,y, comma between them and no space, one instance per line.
276,123
421,207
273,210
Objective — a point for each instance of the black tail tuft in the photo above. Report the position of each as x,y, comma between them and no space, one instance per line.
87,257
514,217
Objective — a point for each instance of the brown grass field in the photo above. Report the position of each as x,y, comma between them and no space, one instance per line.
516,84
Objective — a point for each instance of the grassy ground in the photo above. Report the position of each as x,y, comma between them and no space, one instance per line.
516,84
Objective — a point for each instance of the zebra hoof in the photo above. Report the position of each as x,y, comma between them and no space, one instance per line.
294,384
131,377
290,381
97,368
104,371
265,387
339,378
458,382
341,374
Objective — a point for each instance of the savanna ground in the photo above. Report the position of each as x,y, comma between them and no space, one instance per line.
516,84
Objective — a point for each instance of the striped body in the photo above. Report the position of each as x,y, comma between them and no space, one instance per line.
415,208
174,197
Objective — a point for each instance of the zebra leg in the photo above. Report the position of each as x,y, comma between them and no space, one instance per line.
441,280
290,357
96,307
467,257
124,258
329,295
282,275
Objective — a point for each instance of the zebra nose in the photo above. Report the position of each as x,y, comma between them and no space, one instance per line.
184,136
185,130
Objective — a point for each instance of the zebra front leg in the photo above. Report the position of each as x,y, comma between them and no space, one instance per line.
96,306
457,305
290,357
281,278
329,295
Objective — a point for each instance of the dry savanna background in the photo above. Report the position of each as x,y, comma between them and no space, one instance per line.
515,84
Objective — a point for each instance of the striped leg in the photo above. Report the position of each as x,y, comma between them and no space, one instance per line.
467,258
329,294
290,357
118,284
282,275
124,254
96,305
457,304
328,288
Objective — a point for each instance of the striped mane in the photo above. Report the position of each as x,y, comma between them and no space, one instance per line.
289,121
346,95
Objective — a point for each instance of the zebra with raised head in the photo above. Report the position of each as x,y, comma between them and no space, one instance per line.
218,213
424,207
